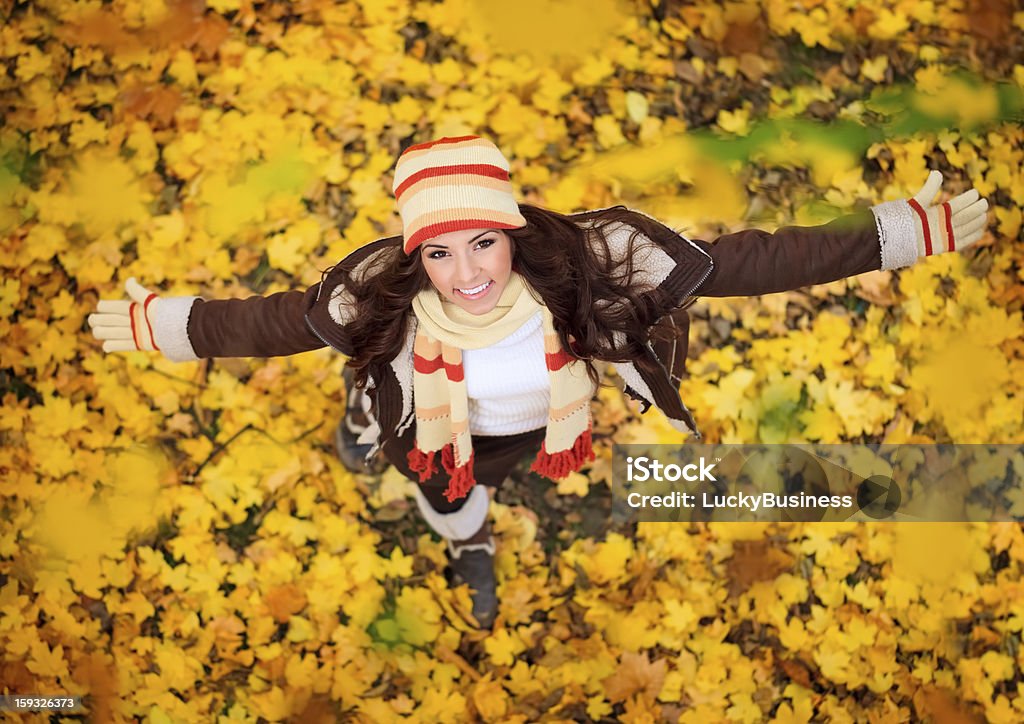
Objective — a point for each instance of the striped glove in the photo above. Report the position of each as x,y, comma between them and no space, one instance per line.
912,228
127,326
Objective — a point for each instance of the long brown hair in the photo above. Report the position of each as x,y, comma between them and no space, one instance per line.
590,293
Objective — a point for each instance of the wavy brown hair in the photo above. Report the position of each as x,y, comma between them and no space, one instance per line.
591,296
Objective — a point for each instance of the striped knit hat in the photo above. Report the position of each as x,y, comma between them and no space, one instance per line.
452,184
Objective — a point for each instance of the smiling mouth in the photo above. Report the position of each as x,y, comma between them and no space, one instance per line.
475,292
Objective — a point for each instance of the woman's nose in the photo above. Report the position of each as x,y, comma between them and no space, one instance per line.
465,268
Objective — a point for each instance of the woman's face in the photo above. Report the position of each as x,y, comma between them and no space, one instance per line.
470,268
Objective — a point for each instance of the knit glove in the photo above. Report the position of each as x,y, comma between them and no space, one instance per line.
127,326
909,229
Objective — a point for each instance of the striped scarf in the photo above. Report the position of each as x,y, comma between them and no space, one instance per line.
442,404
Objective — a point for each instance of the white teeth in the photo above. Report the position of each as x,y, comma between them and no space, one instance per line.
475,290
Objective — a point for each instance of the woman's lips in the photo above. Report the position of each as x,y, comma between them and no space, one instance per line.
482,290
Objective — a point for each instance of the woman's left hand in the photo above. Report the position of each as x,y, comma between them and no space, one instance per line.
950,225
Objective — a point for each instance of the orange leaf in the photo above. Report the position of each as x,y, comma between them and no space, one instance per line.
285,601
942,705
228,630
756,560
158,102
796,671
635,674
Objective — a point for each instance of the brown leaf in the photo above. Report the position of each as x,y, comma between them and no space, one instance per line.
102,28
228,631
748,34
16,677
237,367
982,639
643,581
686,70
181,422
635,674
876,287
186,24
796,672
756,560
942,707
285,601
319,710
158,102
99,677
863,17
990,19
753,66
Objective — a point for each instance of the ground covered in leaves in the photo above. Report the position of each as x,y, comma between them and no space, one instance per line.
178,541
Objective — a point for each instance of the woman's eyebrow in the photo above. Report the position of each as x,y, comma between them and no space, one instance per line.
443,246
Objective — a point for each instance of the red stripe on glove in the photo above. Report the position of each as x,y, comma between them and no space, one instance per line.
950,246
145,312
924,225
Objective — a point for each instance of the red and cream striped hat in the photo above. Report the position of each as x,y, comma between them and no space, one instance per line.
452,184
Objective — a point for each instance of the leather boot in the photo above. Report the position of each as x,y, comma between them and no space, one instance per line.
350,451
473,564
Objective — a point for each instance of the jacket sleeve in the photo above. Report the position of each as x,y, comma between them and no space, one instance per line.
751,262
193,328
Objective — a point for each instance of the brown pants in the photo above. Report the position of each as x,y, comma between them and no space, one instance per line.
494,457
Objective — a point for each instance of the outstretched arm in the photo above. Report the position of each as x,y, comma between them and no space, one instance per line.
270,326
191,328
890,235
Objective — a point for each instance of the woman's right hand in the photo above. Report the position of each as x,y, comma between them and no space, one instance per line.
127,326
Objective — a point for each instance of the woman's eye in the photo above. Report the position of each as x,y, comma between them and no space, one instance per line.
484,243
435,254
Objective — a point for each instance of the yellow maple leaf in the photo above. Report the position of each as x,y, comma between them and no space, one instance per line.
736,121
1009,221
503,646
178,670
44,661
833,662
727,398
680,616
979,368
997,666
399,564
301,672
106,193
490,699
574,484
290,251
609,134
888,24
875,69
418,616
57,416
793,635
275,704
821,423
536,28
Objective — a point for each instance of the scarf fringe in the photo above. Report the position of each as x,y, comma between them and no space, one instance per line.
460,479
558,465
422,463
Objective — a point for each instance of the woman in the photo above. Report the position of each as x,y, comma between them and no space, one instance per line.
475,334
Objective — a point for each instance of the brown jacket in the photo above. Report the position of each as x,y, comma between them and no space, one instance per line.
744,263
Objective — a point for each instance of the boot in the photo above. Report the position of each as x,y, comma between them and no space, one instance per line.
473,564
350,451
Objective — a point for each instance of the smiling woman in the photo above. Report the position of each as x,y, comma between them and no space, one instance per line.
469,268
474,335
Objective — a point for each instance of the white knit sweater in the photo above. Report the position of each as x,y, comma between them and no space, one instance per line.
507,383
